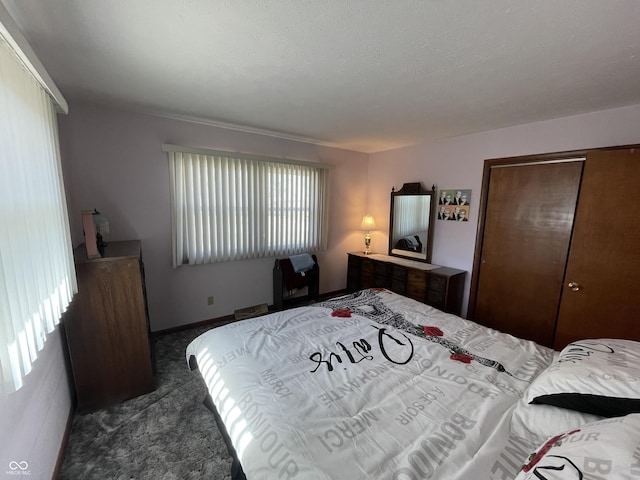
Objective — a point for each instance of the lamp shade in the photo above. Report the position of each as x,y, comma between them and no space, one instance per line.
368,223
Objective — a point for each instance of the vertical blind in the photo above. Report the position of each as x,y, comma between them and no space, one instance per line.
37,276
226,208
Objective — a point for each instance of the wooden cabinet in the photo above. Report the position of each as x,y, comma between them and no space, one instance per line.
440,287
107,327
557,247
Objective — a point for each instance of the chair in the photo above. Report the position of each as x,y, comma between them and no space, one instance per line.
286,283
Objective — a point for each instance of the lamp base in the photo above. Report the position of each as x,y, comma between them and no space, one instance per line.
367,243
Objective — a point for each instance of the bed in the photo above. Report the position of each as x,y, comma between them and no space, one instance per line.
374,385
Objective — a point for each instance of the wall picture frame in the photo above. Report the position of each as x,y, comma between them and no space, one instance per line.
454,204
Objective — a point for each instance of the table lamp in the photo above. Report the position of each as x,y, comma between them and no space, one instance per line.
367,225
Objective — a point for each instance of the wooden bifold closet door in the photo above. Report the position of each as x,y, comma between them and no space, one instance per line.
527,232
604,260
557,253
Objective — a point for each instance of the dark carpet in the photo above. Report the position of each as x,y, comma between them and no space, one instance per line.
166,434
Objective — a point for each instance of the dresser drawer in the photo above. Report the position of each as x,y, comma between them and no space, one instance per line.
367,280
380,281
417,285
417,291
398,272
355,262
353,280
417,276
367,273
381,275
437,294
438,283
367,265
436,299
353,272
398,286
381,268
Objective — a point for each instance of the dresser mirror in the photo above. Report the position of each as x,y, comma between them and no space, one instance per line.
411,226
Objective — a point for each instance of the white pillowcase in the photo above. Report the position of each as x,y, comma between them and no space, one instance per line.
608,449
601,377
539,422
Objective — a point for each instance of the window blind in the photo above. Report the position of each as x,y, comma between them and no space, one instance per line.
37,276
229,207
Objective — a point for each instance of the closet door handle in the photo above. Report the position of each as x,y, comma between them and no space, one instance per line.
574,286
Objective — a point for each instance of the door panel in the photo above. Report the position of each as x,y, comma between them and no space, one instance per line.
527,232
604,259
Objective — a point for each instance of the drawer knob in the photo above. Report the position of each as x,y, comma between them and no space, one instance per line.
574,286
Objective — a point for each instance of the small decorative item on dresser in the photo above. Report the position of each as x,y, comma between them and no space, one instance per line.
367,225
89,230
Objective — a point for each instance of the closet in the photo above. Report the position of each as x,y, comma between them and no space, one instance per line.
557,246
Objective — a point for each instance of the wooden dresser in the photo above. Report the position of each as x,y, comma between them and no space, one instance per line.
440,287
107,327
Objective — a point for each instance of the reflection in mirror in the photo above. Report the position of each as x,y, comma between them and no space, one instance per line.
410,225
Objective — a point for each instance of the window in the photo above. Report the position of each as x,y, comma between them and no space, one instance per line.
228,206
37,277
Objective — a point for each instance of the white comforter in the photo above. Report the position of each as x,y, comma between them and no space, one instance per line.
307,395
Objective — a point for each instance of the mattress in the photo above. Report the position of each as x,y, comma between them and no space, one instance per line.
371,385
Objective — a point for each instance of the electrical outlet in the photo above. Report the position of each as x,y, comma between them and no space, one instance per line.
210,300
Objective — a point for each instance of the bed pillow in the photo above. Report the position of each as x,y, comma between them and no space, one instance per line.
539,422
600,377
607,449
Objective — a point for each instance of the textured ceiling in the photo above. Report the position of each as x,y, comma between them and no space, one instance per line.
366,75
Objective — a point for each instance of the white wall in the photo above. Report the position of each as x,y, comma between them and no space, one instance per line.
33,419
112,161
458,163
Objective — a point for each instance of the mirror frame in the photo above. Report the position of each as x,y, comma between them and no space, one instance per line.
413,189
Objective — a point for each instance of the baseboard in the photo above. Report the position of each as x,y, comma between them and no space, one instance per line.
229,318
63,445
335,293
189,326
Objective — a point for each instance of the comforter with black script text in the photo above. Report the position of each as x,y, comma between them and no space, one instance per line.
369,386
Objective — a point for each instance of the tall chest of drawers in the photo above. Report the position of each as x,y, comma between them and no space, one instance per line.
107,327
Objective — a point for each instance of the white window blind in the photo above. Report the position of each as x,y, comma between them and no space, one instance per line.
229,208
37,276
